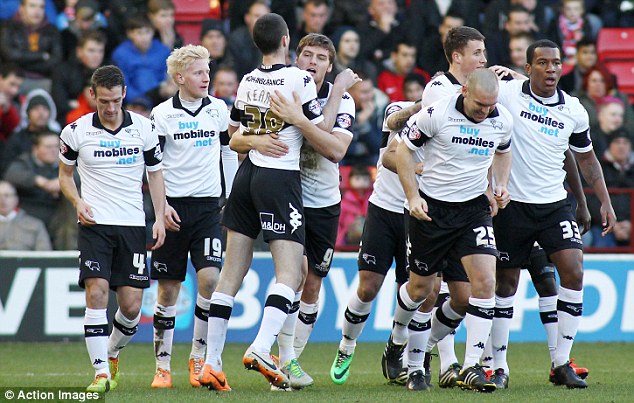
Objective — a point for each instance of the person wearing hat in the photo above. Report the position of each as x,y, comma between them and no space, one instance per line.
212,37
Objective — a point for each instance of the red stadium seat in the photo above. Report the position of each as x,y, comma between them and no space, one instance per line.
615,44
624,72
196,10
190,31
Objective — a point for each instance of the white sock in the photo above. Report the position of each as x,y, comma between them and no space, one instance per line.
569,311
418,336
487,355
96,335
357,313
201,317
276,310
443,326
220,307
478,322
122,331
287,333
403,313
164,322
304,326
500,329
548,315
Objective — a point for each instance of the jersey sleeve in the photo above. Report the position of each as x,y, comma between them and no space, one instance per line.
580,138
69,144
507,126
391,109
412,134
308,96
158,123
345,115
152,150
234,116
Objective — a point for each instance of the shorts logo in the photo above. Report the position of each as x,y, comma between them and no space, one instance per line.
160,267
92,265
422,266
344,120
138,278
369,259
267,220
504,256
296,218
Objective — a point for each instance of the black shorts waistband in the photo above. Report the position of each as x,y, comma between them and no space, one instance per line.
480,200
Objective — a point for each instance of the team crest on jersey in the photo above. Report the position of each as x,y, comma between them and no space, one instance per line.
63,149
414,133
344,120
496,124
133,132
212,113
392,109
314,107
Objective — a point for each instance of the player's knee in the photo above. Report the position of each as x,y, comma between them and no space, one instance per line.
420,290
368,291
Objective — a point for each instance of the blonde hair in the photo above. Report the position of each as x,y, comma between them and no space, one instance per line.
181,58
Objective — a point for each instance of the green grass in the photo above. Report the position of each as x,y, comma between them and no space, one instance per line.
67,365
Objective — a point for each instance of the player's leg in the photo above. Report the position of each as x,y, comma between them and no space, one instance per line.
418,375
446,345
163,324
125,325
308,310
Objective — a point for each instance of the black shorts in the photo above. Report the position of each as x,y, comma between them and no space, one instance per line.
199,235
456,230
383,241
321,234
115,253
266,199
520,225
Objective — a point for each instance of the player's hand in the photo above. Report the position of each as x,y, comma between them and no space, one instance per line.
172,219
502,196
84,213
419,168
158,234
270,146
503,71
346,79
584,220
418,208
290,111
608,218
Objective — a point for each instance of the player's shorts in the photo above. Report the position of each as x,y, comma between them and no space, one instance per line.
457,229
539,266
115,253
199,235
383,241
321,235
267,200
519,225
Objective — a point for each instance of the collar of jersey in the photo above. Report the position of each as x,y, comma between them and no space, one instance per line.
526,89
452,79
271,68
127,121
460,107
324,90
176,104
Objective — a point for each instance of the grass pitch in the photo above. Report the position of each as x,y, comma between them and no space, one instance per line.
67,365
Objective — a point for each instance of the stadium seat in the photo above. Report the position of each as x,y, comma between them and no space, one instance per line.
196,10
624,72
190,31
615,44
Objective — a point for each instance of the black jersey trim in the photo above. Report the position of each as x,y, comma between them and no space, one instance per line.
176,104
127,121
526,89
274,67
460,107
452,79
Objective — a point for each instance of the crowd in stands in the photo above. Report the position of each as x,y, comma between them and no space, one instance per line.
49,49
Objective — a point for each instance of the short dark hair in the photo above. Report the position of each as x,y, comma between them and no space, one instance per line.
137,22
458,38
542,43
268,32
585,41
6,69
414,78
109,76
316,3
42,135
320,41
92,35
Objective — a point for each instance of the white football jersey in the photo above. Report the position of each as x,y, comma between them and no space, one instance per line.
388,192
251,110
458,152
111,165
320,176
191,146
542,133
441,86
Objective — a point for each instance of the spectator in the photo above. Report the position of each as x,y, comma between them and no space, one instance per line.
518,21
610,122
11,77
381,32
430,48
34,175
425,16
569,26
586,57
618,170
598,83
402,62
118,12
348,44
70,77
32,43
286,8
143,106
496,13
37,115
366,129
18,230
85,18
85,104
245,54
225,85
413,87
161,15
316,14
517,51
352,13
10,8
213,38
354,206
141,58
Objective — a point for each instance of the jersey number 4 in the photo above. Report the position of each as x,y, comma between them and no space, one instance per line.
258,122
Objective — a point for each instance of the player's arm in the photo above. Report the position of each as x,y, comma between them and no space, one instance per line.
332,146
582,213
157,192
592,173
69,189
501,172
505,73
389,156
396,121
405,166
343,82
